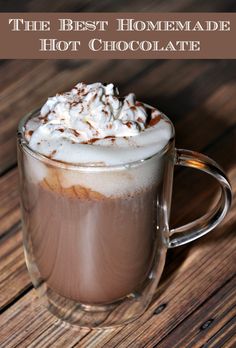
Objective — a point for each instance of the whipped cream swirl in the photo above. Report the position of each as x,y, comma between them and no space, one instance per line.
95,115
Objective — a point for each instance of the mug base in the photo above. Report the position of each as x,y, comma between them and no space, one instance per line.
79,315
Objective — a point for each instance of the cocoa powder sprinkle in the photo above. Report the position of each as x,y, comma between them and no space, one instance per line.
154,121
129,124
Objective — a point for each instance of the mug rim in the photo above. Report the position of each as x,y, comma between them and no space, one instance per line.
87,167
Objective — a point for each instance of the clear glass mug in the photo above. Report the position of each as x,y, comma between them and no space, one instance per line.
95,237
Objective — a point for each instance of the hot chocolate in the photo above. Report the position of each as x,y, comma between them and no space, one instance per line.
96,176
90,248
91,201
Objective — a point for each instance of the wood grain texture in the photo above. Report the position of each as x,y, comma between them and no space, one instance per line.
150,329
195,303
221,311
9,197
206,265
14,279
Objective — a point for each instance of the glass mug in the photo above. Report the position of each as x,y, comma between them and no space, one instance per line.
95,237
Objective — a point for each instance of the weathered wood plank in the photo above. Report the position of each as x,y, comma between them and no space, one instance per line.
32,326
15,72
28,324
195,331
9,198
205,265
14,277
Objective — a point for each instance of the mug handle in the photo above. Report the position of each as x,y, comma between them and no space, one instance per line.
210,220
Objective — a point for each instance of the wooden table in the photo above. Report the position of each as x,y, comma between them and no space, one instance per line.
195,304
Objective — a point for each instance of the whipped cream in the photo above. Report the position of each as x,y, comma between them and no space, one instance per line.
92,124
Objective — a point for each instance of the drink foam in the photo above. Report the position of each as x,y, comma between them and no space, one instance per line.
92,125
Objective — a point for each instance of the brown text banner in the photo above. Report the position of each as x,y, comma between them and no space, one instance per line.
117,35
